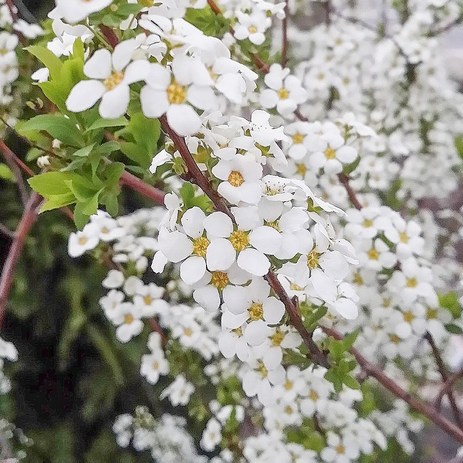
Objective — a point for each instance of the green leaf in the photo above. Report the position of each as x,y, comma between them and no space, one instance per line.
49,59
459,146
454,329
207,21
57,126
451,302
84,152
106,123
136,153
106,349
57,201
5,173
50,183
351,382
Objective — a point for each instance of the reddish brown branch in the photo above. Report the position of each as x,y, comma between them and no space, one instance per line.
6,279
344,179
136,184
12,9
284,35
447,387
11,160
415,403
445,377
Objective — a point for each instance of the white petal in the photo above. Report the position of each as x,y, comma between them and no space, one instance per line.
346,308
176,246
183,119
123,53
114,104
84,95
192,270
218,224
192,222
324,286
201,97
256,333
99,65
207,297
236,299
274,310
154,103
265,239
253,262
136,71
220,254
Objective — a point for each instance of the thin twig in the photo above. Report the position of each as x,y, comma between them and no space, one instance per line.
344,180
415,403
10,159
446,388
136,184
445,377
6,231
12,9
25,224
284,33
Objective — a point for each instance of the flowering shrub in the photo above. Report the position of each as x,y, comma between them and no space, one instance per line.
289,288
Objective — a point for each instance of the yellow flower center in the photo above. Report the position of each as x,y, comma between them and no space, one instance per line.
200,246
283,93
277,338
295,287
82,240
411,282
408,316
340,449
262,370
238,331
176,93
394,339
288,385
187,331
387,302
219,280
113,80
235,178
298,138
373,254
312,259
252,29
289,410
367,223
431,314
313,395
239,240
273,224
358,280
146,3
301,169
148,299
403,237
256,311
330,153
128,318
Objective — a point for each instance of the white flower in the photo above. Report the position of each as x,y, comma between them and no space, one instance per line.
75,10
335,153
111,76
241,180
212,435
173,92
127,316
83,241
252,27
340,449
154,365
285,91
179,391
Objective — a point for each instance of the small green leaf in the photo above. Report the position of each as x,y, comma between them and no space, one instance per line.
5,173
57,126
84,152
106,123
454,329
49,59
